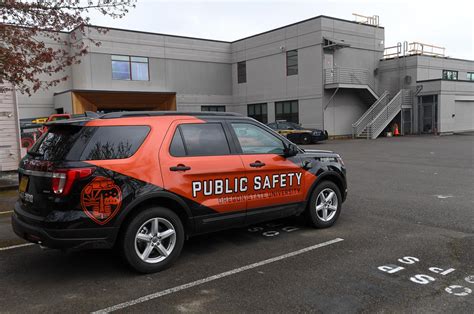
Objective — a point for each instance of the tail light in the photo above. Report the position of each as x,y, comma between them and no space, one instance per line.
63,179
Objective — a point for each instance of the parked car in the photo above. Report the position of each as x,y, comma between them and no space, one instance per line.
146,181
297,134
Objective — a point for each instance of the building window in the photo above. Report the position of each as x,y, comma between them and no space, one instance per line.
470,76
258,112
287,110
450,75
292,62
129,68
242,72
213,108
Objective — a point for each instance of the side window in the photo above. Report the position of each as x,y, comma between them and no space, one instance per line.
255,140
204,139
177,146
114,142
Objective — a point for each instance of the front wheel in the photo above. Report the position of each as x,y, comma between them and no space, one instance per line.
325,205
153,240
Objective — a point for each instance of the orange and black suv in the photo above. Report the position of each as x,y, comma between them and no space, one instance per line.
145,181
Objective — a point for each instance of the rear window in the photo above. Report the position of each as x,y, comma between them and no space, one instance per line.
75,143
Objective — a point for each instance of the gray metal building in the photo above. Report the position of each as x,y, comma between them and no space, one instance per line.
323,72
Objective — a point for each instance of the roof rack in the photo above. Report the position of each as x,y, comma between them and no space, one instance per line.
130,114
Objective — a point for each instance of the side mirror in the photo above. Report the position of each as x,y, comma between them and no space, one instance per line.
290,150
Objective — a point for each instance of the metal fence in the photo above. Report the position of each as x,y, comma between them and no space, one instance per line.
348,76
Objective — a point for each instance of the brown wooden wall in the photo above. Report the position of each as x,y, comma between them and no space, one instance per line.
95,101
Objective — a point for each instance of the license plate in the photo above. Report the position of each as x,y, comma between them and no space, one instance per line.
23,183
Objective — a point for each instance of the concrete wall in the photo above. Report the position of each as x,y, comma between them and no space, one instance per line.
199,71
455,103
393,72
267,82
63,101
342,111
429,68
41,103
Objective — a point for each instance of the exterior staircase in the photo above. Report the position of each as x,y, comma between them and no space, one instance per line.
384,108
380,114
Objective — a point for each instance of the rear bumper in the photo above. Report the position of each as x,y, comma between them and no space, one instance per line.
34,231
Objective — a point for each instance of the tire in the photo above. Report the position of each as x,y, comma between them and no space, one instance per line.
140,237
305,139
326,216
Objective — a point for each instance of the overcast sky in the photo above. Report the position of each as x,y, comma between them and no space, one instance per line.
443,23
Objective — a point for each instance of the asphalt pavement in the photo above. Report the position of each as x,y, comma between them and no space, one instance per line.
403,243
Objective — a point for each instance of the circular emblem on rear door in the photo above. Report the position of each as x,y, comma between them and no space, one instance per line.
101,200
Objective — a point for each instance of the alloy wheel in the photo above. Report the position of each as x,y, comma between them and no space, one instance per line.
155,240
326,204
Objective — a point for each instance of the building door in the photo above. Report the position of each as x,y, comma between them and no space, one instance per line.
406,121
428,106
328,60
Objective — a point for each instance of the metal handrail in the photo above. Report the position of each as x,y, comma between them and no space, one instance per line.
359,126
413,48
388,113
348,76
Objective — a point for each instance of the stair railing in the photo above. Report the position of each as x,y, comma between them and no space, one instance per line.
378,124
359,126
339,75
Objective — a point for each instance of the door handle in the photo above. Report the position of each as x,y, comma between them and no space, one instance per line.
257,164
180,167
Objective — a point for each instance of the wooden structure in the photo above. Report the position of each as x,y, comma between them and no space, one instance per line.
9,129
117,100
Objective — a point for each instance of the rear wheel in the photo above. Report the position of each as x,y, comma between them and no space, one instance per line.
325,205
305,139
153,240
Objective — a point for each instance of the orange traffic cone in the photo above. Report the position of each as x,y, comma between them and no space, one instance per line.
395,132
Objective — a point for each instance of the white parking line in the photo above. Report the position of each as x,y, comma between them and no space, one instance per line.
214,277
7,212
15,246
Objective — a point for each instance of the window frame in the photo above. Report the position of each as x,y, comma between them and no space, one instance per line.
130,67
260,105
470,76
290,102
452,72
228,138
293,67
241,77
